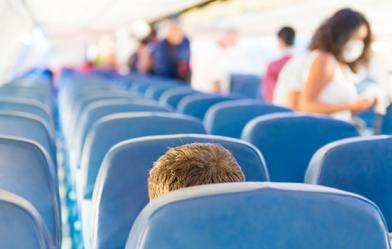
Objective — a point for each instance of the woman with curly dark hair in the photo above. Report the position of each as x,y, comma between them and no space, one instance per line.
340,45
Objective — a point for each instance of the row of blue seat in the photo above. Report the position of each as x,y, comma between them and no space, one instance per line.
259,215
93,151
281,215
105,127
279,136
29,196
34,202
286,140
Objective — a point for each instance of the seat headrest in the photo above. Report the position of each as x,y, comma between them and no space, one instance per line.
360,165
259,215
125,170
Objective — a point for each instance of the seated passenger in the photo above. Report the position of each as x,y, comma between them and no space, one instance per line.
286,37
191,165
340,45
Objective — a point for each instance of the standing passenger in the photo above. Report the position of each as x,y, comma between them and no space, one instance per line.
340,45
171,56
224,62
140,62
286,38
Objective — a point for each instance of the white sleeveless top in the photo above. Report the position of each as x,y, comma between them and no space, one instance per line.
340,90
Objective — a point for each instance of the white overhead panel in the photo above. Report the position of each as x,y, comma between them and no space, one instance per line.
76,17
257,17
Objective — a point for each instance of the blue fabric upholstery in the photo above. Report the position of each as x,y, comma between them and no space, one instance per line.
229,118
26,170
77,94
69,95
115,128
69,103
386,122
358,165
83,103
98,110
27,85
28,93
368,117
247,85
173,96
288,141
155,91
198,105
26,106
125,170
28,126
33,102
139,87
259,216
21,226
142,87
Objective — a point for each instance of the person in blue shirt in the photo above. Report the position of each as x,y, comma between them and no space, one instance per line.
171,56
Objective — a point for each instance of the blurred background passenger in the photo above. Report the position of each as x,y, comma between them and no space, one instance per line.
140,61
291,81
211,71
171,56
152,38
87,67
286,39
340,45
219,66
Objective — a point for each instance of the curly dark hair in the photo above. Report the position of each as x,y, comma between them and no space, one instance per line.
334,33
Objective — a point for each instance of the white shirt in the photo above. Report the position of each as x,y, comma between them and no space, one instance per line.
213,64
340,90
291,78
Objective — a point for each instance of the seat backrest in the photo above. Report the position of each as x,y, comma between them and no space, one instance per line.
25,106
230,117
71,109
259,216
139,87
155,91
16,99
288,141
83,103
198,105
173,96
100,109
247,85
142,87
385,126
21,226
116,128
125,170
26,170
27,126
358,165
43,97
68,95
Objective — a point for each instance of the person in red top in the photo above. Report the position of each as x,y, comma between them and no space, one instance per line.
286,38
